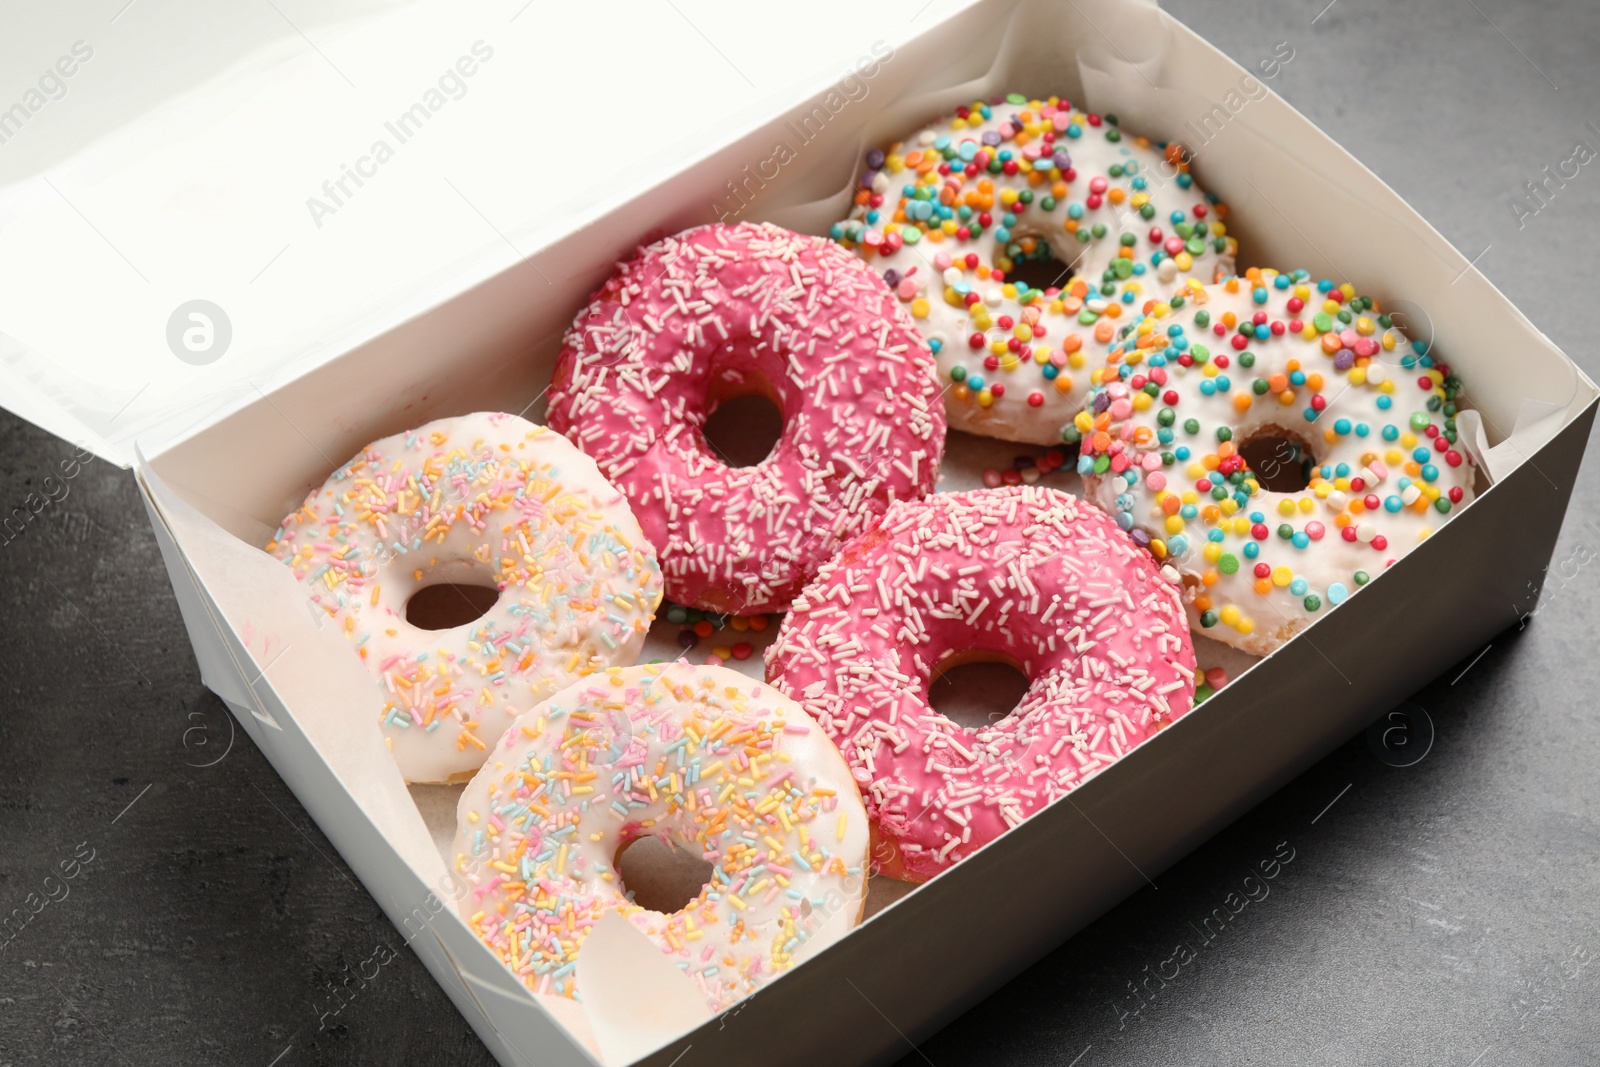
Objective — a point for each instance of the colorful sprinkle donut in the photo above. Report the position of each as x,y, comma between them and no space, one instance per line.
1026,575
716,763
480,499
1337,392
950,215
723,311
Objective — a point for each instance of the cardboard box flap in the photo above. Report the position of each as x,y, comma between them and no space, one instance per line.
285,650
183,228
636,998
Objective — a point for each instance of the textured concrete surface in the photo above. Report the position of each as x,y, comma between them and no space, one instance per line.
1443,913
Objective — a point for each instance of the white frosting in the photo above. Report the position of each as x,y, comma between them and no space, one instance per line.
485,499
1366,475
717,763
1082,175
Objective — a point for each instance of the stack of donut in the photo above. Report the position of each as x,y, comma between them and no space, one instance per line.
1136,341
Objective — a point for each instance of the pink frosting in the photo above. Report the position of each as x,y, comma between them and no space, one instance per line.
723,311
1026,574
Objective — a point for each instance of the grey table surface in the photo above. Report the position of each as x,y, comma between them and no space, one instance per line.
1443,913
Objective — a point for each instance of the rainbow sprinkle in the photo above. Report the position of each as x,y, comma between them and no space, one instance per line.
1358,417
953,216
488,498
707,758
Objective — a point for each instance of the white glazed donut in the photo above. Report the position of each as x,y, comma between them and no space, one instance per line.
485,499
718,764
1323,379
950,214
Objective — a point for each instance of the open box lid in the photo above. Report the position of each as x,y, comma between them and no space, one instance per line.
198,204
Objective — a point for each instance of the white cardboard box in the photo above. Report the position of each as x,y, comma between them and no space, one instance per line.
214,499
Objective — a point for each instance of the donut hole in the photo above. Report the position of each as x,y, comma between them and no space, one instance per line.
743,429
1280,460
1040,272
1042,269
446,605
656,874
976,690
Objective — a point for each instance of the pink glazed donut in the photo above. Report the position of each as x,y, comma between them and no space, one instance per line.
1026,575
724,311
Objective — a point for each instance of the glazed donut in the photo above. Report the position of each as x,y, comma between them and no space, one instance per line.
715,762
1333,388
722,311
480,499
950,214
1027,575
